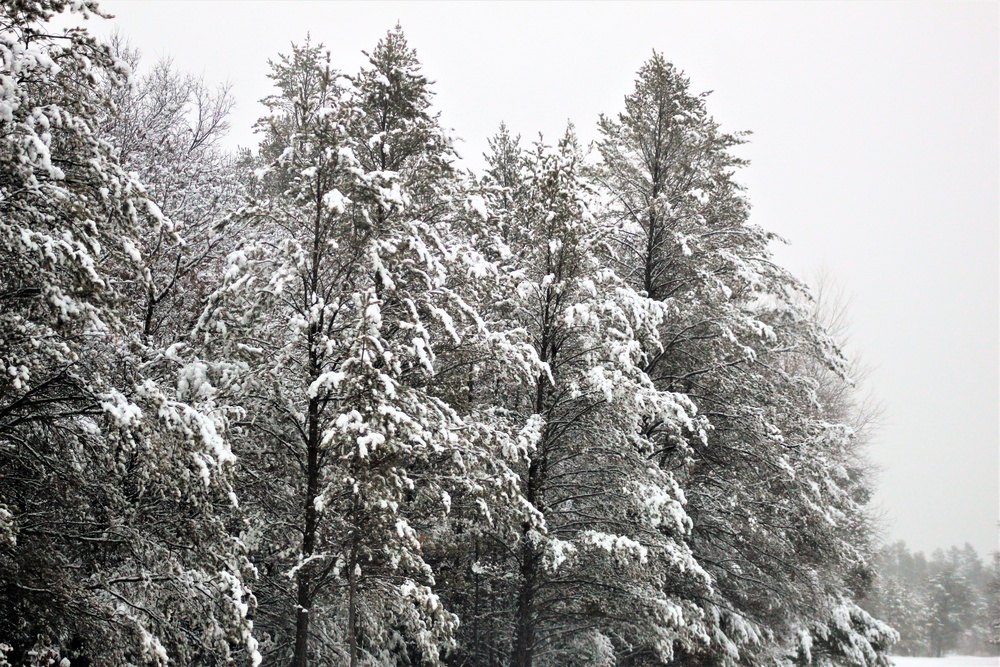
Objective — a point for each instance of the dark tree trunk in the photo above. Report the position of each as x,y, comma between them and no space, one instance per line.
524,641
302,629
352,602
304,592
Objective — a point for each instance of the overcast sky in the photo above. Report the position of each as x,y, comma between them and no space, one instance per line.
874,151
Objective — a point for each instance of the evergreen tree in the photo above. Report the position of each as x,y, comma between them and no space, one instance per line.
993,606
333,318
900,598
945,604
776,491
950,610
601,567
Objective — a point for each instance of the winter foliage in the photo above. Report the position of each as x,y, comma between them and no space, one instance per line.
948,603
116,481
335,401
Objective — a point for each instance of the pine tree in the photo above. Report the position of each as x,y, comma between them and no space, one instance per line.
335,317
993,606
898,596
600,565
742,344
952,604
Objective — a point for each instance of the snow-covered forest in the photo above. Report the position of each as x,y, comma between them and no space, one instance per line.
948,603
335,401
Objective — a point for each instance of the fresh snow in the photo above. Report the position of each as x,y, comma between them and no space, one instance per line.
948,661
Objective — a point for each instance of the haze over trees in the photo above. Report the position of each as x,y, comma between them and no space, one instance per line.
336,401
948,603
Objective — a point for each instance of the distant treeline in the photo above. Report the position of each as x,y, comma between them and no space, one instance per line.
949,603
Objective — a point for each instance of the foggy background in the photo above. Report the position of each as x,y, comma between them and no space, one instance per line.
874,151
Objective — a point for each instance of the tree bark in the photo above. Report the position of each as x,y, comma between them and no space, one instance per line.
352,602
524,638
524,641
304,592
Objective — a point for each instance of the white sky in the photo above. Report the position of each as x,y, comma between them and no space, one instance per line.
875,152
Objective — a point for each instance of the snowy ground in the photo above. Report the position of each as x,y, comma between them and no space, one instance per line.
950,661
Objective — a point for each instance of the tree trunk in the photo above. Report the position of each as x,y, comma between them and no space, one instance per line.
304,594
352,602
524,640
302,627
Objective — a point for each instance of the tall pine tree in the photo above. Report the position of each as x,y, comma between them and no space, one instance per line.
334,317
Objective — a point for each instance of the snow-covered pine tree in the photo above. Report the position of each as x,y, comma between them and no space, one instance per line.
848,636
455,352
899,597
115,491
993,603
601,568
772,515
951,601
343,315
488,509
